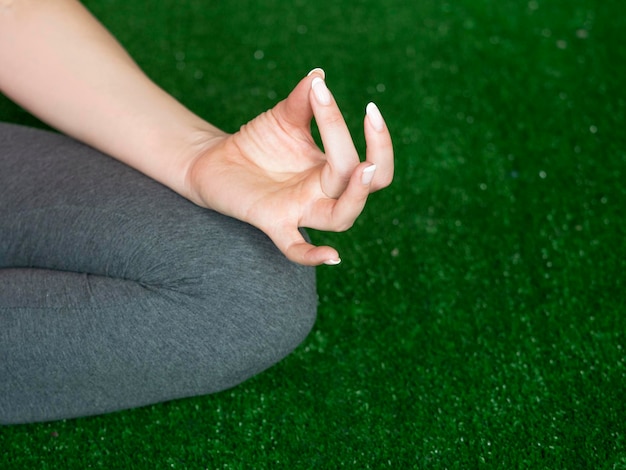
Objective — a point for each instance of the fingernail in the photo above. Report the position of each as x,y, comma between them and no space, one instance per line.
368,175
317,70
333,262
321,91
376,119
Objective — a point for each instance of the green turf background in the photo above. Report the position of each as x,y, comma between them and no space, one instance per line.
478,319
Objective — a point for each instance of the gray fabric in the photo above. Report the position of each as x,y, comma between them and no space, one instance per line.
115,292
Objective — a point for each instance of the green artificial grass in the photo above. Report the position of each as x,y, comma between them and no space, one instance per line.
478,319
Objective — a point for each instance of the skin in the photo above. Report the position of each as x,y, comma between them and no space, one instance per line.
62,65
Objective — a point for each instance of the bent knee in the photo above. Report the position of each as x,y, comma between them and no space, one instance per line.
246,324
265,323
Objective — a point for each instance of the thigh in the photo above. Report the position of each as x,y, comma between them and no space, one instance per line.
116,292
67,207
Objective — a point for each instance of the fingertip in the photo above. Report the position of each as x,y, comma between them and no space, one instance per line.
368,175
375,117
317,71
332,262
376,129
324,255
310,255
321,91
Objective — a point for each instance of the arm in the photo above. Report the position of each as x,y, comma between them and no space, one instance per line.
59,63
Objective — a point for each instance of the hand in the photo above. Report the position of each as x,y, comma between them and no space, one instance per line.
272,175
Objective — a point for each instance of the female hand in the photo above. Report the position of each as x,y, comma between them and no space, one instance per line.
272,175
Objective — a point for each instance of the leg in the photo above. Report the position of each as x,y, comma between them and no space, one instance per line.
115,292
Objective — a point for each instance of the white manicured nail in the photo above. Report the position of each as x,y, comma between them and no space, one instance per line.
321,91
368,174
317,70
333,262
376,119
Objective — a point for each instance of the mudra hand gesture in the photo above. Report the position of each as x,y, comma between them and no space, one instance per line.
272,174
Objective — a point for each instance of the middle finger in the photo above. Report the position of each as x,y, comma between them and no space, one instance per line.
341,155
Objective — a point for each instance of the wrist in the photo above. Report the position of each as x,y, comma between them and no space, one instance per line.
202,139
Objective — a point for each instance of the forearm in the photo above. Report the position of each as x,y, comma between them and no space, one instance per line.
59,63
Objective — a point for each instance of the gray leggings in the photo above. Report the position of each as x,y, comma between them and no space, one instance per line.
115,292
